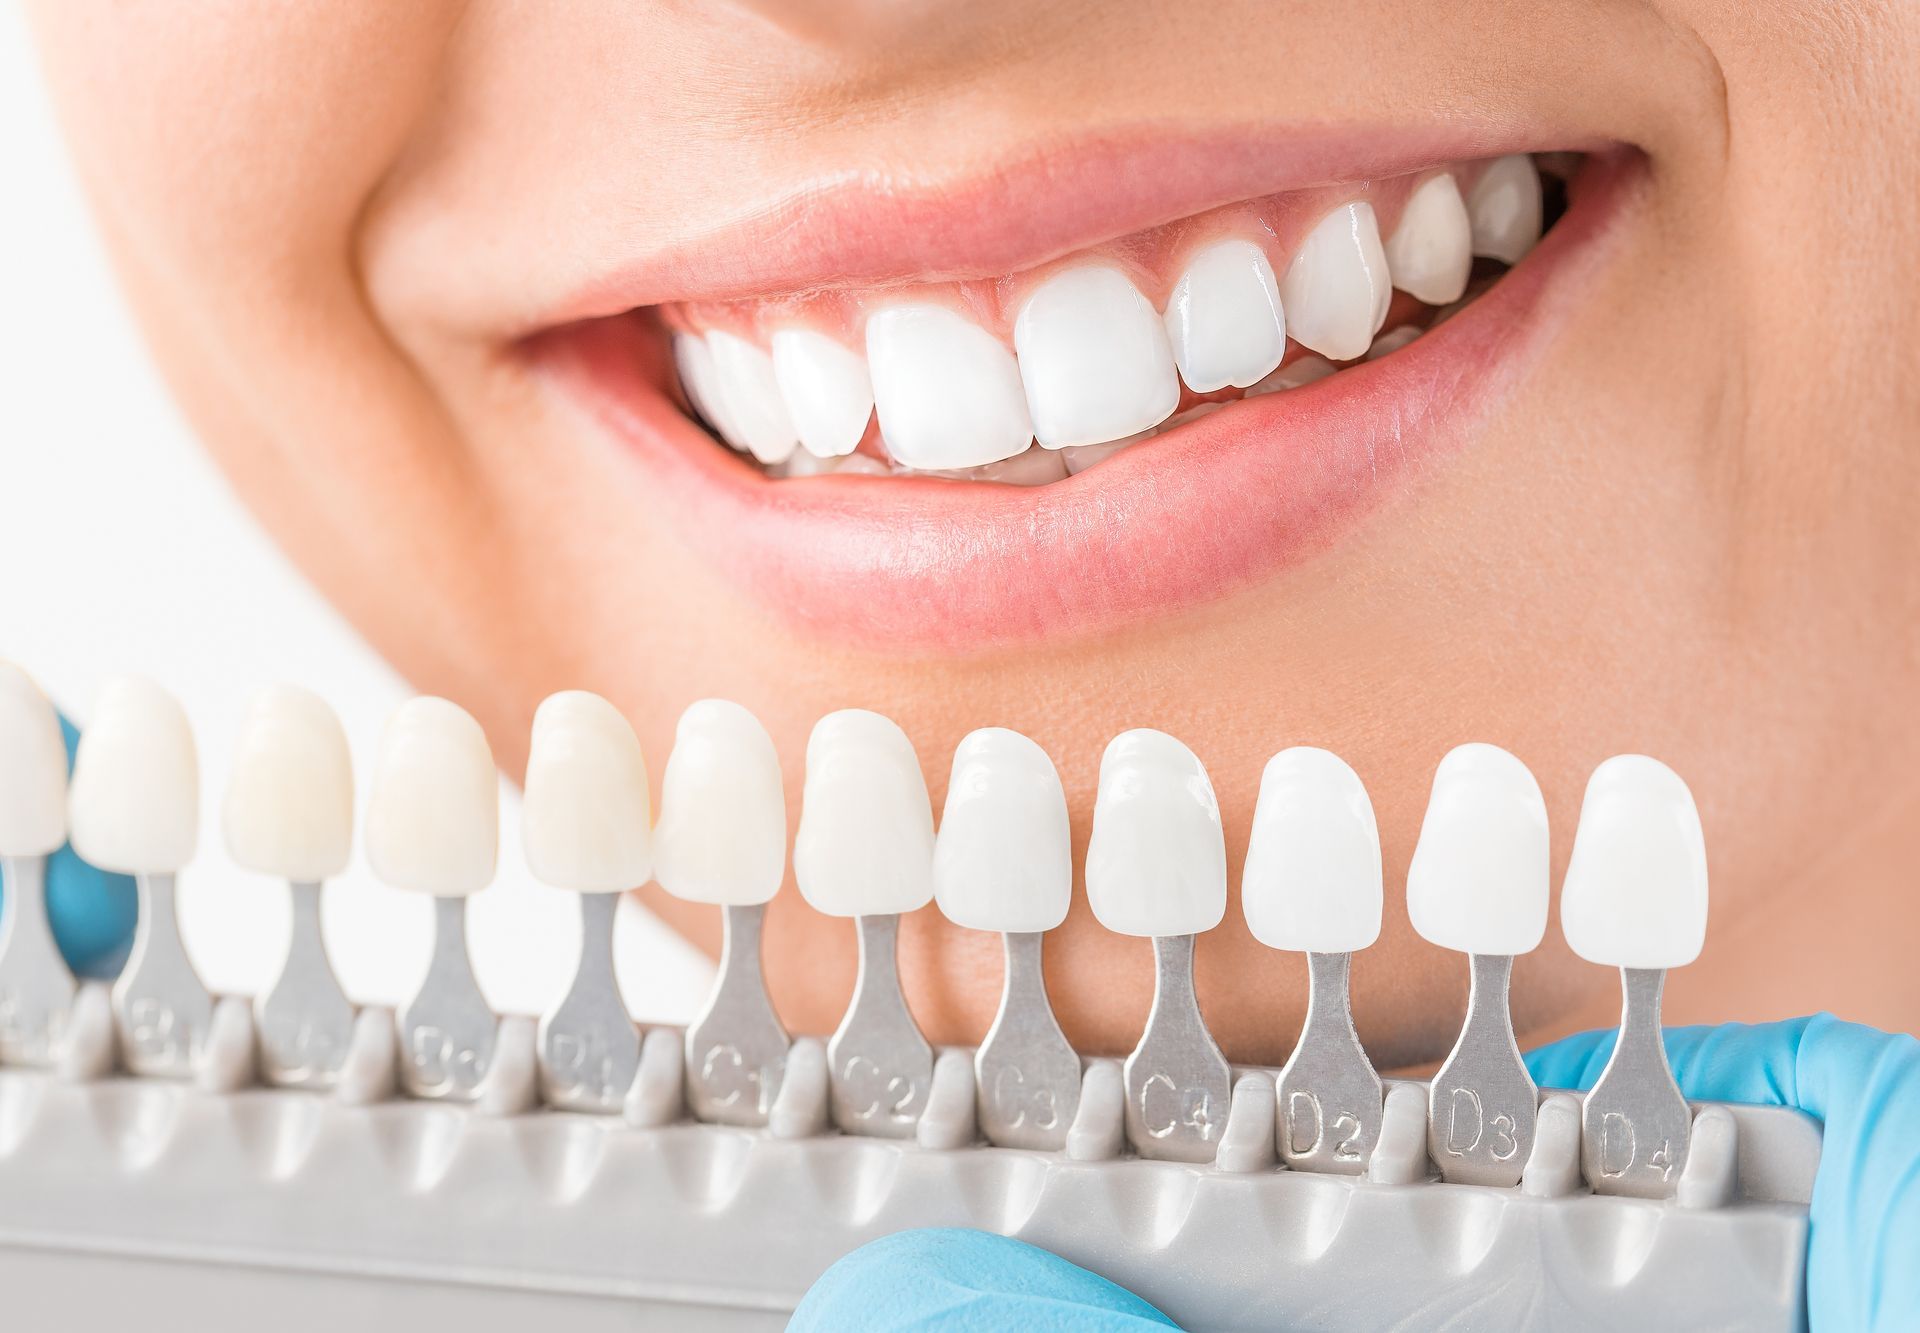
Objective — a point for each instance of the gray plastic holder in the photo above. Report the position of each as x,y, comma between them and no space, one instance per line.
212,1205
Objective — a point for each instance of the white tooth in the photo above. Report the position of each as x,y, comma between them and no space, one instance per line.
947,391
1004,856
722,836
1094,359
1636,888
1034,467
1431,251
1295,374
1087,456
134,807
1157,859
33,769
861,465
865,844
586,814
289,805
1479,878
1312,880
694,360
1224,320
1505,207
826,389
1337,289
1392,341
755,416
433,808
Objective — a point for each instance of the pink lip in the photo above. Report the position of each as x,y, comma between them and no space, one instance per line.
925,566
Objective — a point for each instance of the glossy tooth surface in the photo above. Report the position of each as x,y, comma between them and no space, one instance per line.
1003,859
1505,208
1312,880
1224,320
825,386
1636,888
1479,878
1295,374
1430,253
134,806
1094,359
722,835
698,378
587,815
1157,859
947,392
1337,288
288,810
433,805
33,768
865,844
752,411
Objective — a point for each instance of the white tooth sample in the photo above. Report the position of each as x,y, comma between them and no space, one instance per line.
36,989
1312,880
1480,878
1431,250
1337,289
947,392
865,842
33,769
698,378
1635,894
1003,859
752,410
1504,205
1094,359
825,386
134,807
289,805
433,805
722,835
1224,320
1157,858
586,813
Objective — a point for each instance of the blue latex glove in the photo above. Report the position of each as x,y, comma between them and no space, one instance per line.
1863,1270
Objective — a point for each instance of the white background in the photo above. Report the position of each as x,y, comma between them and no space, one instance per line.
121,549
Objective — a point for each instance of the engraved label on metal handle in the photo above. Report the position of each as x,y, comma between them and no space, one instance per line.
159,1003
1179,1086
1027,1075
1635,1125
306,1020
737,1048
36,989
1330,1098
879,1065
447,1031
1483,1102
589,1048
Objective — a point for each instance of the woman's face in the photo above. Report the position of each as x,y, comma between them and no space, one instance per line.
416,272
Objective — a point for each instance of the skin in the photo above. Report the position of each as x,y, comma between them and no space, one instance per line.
1693,531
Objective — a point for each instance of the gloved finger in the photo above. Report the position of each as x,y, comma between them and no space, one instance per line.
969,1282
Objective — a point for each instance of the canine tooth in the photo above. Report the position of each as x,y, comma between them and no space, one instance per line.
947,392
1392,341
1505,207
700,381
1224,320
289,813
36,989
1478,884
1157,867
1094,359
1430,253
433,827
751,408
825,385
865,850
1337,289
1295,374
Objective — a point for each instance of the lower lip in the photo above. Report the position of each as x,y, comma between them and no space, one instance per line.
1243,494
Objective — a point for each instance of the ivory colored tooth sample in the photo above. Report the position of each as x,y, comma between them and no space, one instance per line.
433,827
1479,884
586,822
1635,898
722,839
288,813
36,989
865,850
1157,867
1003,861
1312,884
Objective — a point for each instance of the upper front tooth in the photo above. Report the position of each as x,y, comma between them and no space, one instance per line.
33,768
752,411
1094,359
433,808
586,814
1337,289
1431,251
947,391
694,360
1004,857
1312,881
827,391
289,804
1224,319
865,844
1505,207
1636,888
1157,858
1479,878
722,835
134,807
